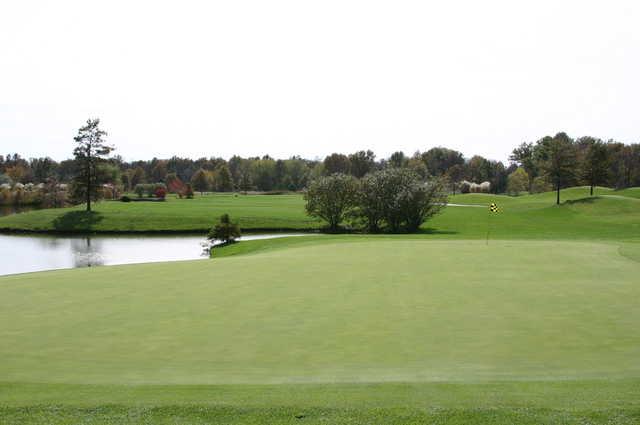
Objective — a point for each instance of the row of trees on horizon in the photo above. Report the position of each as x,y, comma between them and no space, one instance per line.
552,162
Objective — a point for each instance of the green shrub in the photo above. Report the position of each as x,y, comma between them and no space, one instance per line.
398,198
331,198
225,230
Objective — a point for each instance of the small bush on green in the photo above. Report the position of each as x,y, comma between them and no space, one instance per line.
225,230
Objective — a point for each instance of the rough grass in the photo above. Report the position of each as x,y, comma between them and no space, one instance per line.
329,415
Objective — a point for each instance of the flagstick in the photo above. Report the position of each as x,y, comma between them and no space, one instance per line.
488,225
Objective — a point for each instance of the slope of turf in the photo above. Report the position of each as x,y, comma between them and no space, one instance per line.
633,192
607,217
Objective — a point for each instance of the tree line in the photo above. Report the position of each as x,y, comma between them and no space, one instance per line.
551,162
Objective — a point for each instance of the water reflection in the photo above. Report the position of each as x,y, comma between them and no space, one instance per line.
29,253
86,253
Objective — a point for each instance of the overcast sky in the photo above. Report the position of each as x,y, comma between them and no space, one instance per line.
216,78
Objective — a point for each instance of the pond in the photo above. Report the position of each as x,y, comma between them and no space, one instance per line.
30,253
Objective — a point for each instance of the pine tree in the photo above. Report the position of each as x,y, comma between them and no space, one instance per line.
89,152
557,157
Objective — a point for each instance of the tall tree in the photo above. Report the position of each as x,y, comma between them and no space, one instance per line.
595,167
136,177
523,155
159,171
263,172
223,180
362,162
557,158
517,182
454,175
200,181
337,163
478,169
42,168
91,149
438,160
398,160
297,173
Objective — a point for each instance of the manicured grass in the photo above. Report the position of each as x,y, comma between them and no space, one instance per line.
425,310
254,212
607,217
579,217
339,329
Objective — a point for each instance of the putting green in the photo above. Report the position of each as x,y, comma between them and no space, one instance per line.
367,310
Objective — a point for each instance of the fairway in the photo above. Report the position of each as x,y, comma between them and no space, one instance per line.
255,212
364,311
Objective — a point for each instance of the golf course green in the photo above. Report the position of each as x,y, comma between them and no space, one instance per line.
538,324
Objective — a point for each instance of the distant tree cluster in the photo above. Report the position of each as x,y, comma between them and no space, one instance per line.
552,162
394,199
560,161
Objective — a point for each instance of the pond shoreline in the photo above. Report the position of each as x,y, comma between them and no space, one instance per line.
42,252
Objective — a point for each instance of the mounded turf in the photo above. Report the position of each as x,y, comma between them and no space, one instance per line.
454,331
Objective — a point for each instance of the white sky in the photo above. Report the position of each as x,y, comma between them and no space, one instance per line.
214,78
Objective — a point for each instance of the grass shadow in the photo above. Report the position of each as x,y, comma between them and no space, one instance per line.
589,200
77,221
432,231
